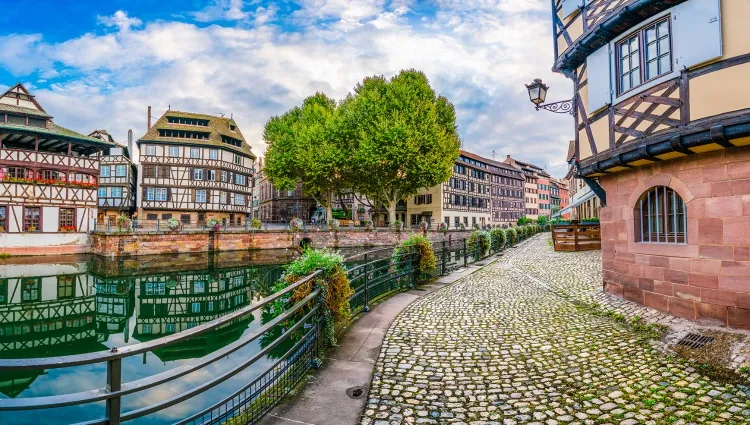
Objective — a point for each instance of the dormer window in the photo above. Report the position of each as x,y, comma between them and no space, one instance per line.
232,127
183,134
231,141
187,121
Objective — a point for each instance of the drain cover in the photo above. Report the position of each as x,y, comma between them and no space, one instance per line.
355,392
694,341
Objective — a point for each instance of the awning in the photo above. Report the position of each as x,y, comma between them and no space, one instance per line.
586,196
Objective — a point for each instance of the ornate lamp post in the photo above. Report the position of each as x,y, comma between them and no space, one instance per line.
538,93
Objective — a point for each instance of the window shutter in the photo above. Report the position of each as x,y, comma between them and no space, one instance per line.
598,71
696,32
169,194
570,6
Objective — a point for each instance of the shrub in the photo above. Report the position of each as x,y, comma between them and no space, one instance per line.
124,224
398,225
423,226
255,224
512,235
422,246
499,237
213,224
368,226
481,237
475,226
462,226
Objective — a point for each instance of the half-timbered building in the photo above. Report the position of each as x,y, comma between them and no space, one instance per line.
48,179
117,178
662,127
194,167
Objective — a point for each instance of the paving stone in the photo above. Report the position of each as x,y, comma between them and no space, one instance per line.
510,344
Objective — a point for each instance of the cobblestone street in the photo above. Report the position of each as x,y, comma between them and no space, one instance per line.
505,346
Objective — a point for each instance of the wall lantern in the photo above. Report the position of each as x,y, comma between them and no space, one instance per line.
538,93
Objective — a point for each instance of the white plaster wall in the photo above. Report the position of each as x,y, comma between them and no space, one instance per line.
25,240
50,219
15,219
49,288
42,269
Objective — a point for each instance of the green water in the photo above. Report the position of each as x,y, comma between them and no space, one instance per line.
72,305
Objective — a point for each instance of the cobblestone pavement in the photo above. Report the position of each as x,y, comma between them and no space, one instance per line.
502,347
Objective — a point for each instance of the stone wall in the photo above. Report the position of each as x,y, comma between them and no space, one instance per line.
114,245
706,279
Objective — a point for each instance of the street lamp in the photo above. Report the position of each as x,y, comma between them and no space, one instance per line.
538,93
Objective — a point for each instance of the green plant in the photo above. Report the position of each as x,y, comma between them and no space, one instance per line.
443,227
483,238
512,234
499,237
368,226
124,224
398,225
4,255
422,246
255,224
213,224
523,220
173,224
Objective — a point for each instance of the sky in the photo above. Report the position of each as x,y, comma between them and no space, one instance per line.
98,65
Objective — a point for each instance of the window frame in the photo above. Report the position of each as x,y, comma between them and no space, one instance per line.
72,220
157,191
640,34
112,192
105,167
122,167
150,150
176,151
670,205
205,196
195,152
38,219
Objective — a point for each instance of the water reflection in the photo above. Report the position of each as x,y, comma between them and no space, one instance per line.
73,305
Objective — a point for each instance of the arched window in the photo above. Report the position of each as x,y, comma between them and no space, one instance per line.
661,217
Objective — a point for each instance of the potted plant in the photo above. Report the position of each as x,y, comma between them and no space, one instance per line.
295,225
124,224
255,224
213,225
368,226
334,225
67,228
475,226
173,224
398,225
443,227
590,220
423,226
462,226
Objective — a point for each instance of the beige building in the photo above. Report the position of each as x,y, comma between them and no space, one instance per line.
194,167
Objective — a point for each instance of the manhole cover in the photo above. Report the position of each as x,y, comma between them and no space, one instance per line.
694,341
355,392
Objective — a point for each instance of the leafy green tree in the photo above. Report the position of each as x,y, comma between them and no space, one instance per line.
542,220
303,147
403,137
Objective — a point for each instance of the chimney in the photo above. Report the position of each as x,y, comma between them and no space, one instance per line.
132,147
507,156
149,119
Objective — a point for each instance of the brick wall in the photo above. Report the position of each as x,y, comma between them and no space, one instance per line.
114,245
706,279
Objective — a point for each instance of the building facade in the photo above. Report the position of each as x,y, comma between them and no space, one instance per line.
536,184
276,206
662,113
117,179
194,167
481,192
48,179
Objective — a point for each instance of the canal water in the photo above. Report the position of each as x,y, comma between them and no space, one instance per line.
81,304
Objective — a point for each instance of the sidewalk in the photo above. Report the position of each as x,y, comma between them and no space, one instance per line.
323,399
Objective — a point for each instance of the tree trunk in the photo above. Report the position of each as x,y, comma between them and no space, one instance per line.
392,212
329,207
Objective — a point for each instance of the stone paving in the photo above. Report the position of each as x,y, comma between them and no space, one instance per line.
504,347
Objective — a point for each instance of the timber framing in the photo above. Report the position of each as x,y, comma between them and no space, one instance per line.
603,21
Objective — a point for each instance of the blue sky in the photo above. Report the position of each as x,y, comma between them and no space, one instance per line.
98,65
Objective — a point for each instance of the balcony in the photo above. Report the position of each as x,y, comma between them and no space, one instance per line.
47,160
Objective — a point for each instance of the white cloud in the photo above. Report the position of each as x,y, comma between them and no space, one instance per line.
231,10
120,20
478,57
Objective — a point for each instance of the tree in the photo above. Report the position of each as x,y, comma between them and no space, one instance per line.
542,220
403,137
302,147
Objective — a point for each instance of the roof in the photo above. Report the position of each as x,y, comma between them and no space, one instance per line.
18,93
488,161
217,127
571,151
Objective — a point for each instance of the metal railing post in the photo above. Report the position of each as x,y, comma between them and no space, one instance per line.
366,306
466,254
444,266
158,225
114,381
413,258
109,222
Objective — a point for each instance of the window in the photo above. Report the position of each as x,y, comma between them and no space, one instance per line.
200,196
174,151
240,179
195,153
31,219
224,176
3,218
653,44
67,219
166,216
213,154
149,171
211,175
65,286
164,172
117,192
121,170
150,194
102,192
150,150
660,217
238,159
239,199
161,193
197,174
105,171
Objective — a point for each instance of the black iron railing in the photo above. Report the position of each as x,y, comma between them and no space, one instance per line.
373,275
